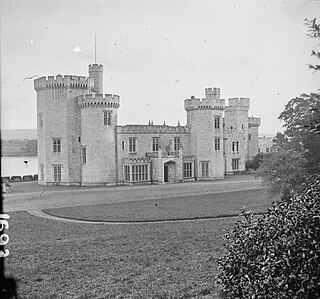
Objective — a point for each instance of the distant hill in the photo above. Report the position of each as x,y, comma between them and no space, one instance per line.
18,134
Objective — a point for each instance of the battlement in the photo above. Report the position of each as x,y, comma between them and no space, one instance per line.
96,67
135,160
239,102
99,101
212,101
212,104
212,91
66,81
152,129
254,121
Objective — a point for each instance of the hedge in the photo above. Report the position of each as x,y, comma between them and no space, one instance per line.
277,255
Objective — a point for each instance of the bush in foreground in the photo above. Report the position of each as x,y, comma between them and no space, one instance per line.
277,255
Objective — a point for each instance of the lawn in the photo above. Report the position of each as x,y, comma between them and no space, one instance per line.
184,207
55,259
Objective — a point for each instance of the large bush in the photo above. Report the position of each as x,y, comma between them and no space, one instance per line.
277,255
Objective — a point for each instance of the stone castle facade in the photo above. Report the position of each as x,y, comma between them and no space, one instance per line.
80,141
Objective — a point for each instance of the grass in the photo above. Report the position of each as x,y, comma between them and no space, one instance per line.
184,207
53,259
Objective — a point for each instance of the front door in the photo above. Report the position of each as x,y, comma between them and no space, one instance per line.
166,173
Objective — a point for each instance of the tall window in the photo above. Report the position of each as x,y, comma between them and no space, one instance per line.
133,145
249,137
187,170
41,172
123,144
127,173
217,122
139,173
204,169
176,143
57,145
107,118
217,144
237,146
84,154
235,164
57,173
233,146
155,144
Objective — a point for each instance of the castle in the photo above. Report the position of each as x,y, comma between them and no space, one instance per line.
80,141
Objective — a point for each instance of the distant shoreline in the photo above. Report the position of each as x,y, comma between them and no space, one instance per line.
17,155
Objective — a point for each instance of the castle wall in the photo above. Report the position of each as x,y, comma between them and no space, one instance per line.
265,144
58,117
87,123
236,134
253,136
99,139
144,136
201,115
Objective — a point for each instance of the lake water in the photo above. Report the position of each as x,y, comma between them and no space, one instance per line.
17,166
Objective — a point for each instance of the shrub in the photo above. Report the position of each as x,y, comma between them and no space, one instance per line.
277,255
27,178
16,178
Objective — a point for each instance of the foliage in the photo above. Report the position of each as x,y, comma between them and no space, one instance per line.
313,32
255,162
299,114
30,147
283,171
277,255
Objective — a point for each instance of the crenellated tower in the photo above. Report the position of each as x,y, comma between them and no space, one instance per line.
58,127
96,74
205,120
98,138
236,134
253,136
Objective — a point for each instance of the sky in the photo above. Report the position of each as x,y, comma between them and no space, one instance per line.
158,53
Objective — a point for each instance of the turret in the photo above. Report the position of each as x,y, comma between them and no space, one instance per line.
58,127
98,138
204,118
96,73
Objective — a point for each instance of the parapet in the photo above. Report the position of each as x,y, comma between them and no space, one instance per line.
135,160
239,102
254,121
99,101
66,81
95,68
212,92
212,101
152,129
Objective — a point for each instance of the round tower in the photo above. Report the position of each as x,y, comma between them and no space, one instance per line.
96,74
58,127
98,138
205,120
236,134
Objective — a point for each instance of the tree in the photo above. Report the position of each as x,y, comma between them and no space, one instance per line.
30,147
283,171
313,32
300,117
256,161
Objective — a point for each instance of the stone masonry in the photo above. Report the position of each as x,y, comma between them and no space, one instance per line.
80,141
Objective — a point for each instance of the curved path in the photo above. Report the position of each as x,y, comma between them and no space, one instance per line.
39,213
34,199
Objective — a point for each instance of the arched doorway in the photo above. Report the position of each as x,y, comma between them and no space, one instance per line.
169,172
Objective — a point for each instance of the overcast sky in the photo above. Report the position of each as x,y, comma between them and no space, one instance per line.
158,53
